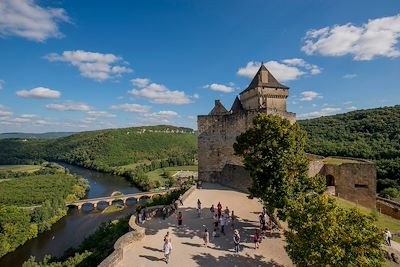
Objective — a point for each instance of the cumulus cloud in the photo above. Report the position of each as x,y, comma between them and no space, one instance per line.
287,70
102,114
2,82
24,18
96,66
162,114
4,112
68,106
160,94
40,93
140,82
323,112
377,37
309,95
349,76
131,108
219,87
351,108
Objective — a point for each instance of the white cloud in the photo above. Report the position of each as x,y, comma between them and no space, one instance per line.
40,93
68,106
309,95
25,19
96,66
196,96
2,82
141,82
323,112
28,116
349,76
219,87
377,37
351,108
4,112
289,69
348,102
131,108
102,114
162,114
160,94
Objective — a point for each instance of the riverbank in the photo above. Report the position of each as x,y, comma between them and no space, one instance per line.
63,234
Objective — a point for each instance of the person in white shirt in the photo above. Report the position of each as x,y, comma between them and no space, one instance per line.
167,249
388,237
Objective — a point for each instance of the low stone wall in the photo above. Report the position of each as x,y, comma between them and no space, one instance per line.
388,207
136,233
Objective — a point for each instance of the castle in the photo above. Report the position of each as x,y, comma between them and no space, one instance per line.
352,179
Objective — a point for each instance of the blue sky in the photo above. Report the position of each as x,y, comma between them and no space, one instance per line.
84,65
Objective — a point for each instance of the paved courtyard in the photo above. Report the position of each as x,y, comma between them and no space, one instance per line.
187,244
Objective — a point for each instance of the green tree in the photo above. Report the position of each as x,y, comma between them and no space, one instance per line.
273,153
322,234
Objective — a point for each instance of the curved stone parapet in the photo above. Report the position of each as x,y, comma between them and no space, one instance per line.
136,233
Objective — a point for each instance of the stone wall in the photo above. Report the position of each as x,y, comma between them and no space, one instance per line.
355,182
217,134
388,207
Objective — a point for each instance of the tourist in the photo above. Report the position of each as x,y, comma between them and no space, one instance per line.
227,211
167,237
261,218
215,232
181,199
219,209
180,218
198,207
164,212
212,209
388,237
167,250
206,237
139,217
222,221
176,206
256,239
233,220
236,240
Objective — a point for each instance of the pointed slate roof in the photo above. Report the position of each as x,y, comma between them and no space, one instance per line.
218,109
237,105
264,78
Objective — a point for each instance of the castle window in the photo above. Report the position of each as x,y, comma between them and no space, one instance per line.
361,186
330,180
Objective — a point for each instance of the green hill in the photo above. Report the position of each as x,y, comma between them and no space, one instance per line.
130,152
371,134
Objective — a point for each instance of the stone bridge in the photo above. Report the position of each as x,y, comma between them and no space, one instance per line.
138,197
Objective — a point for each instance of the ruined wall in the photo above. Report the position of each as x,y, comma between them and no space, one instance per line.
355,182
388,207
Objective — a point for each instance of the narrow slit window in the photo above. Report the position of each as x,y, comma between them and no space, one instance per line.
361,186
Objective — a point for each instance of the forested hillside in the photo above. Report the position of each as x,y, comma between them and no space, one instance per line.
130,152
49,135
371,134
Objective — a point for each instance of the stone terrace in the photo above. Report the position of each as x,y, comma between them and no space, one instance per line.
187,244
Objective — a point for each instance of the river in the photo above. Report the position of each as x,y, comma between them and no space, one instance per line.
72,229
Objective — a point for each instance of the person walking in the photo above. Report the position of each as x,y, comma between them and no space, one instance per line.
167,250
206,237
236,240
198,207
233,220
223,223
212,209
388,237
256,239
164,212
179,218
167,237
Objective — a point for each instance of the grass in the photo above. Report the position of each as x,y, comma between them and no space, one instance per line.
157,174
112,208
383,221
132,166
336,161
20,168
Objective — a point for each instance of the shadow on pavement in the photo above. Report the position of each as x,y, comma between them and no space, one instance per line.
206,259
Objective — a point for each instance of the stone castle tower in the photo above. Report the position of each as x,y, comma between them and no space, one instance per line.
218,129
